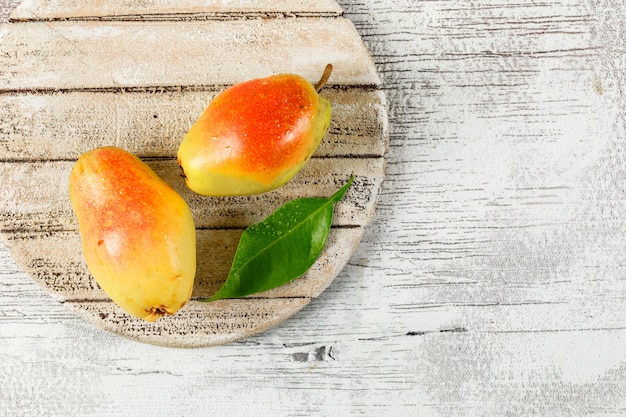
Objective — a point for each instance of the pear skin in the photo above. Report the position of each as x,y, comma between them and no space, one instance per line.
255,136
138,235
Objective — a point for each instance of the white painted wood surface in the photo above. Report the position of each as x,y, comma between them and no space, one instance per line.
490,283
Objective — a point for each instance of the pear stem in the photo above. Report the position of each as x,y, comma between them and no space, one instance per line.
325,76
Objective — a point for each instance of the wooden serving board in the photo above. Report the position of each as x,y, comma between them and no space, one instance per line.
78,75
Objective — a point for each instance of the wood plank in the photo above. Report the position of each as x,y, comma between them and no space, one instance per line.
150,9
198,324
80,55
36,194
65,275
63,125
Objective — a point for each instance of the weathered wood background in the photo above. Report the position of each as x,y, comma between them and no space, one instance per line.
491,281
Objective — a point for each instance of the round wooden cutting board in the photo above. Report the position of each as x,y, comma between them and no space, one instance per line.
78,75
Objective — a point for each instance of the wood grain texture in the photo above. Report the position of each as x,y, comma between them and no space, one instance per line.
64,272
490,282
37,196
87,55
63,125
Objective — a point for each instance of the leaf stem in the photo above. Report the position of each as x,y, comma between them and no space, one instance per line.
339,194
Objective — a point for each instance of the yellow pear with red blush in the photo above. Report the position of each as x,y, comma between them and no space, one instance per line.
255,136
138,234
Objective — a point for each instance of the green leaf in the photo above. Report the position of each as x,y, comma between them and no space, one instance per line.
282,247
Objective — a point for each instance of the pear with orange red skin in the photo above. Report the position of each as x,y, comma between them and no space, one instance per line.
255,136
138,234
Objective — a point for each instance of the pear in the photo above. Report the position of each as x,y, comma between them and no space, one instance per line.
255,136
138,235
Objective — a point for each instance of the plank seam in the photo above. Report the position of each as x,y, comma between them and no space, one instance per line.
161,89
52,231
168,158
197,299
178,17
